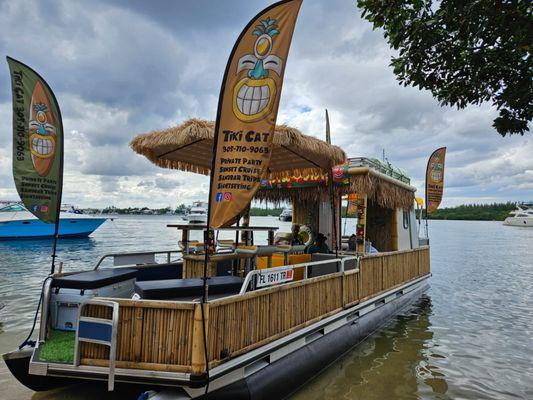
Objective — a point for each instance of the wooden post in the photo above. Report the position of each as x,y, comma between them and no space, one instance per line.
138,321
185,240
394,235
198,346
362,205
360,280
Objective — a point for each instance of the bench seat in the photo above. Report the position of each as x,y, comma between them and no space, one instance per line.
94,279
176,288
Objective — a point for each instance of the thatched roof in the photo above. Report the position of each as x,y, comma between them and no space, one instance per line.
380,188
188,147
387,192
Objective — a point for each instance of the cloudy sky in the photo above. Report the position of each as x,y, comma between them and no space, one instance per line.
127,67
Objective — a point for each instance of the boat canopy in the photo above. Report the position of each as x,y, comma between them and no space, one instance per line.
298,168
189,146
381,183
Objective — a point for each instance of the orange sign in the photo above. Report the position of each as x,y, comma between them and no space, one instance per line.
352,203
435,180
247,111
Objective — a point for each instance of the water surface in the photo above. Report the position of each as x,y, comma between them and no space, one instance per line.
470,337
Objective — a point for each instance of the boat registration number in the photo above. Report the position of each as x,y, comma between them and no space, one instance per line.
266,278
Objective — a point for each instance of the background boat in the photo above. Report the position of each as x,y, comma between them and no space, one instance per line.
286,215
198,213
18,223
523,216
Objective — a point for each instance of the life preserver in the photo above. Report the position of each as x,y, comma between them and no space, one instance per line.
305,231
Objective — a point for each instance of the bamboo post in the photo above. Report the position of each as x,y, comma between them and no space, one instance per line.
198,352
394,236
362,204
138,319
360,280
343,289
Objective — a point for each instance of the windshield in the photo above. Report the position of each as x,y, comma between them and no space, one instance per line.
12,208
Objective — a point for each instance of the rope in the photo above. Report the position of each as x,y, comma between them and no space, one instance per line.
28,341
117,228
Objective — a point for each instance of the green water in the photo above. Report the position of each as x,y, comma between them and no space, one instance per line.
470,337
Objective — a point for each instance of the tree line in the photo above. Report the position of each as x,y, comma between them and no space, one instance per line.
475,212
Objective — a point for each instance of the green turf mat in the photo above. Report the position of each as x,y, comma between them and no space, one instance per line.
59,347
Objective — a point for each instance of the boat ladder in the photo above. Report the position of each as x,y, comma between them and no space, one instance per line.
101,331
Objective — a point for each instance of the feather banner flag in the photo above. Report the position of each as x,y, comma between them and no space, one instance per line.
247,111
37,143
435,180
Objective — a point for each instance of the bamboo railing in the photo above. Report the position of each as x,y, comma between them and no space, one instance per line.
168,336
155,335
240,323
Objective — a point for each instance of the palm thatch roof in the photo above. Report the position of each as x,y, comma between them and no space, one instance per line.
385,192
188,147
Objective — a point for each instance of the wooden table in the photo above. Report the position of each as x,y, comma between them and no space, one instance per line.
185,228
193,265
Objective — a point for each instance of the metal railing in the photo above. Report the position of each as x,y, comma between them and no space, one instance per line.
101,331
381,167
132,256
341,261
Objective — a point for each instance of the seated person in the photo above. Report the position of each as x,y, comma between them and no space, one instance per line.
319,246
294,238
369,249
352,243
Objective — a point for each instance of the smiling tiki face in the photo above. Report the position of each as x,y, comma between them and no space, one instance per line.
42,131
253,96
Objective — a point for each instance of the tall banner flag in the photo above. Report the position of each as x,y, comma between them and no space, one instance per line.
247,111
37,143
435,180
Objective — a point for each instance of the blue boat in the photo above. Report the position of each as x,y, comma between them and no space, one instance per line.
16,222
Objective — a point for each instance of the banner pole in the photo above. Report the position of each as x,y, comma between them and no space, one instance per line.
60,186
427,226
46,104
56,234
334,212
331,192
241,128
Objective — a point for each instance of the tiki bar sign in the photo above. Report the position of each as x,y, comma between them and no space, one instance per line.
247,111
435,179
37,142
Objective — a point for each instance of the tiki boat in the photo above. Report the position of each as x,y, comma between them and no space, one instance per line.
272,311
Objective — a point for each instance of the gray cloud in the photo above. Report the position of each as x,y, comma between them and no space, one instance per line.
130,66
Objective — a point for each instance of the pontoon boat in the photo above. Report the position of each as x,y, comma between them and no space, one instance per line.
274,317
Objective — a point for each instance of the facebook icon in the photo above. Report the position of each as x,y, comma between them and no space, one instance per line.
219,197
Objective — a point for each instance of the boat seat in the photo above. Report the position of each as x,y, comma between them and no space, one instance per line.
175,288
157,272
94,279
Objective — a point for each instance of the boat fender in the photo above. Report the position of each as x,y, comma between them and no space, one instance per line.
306,232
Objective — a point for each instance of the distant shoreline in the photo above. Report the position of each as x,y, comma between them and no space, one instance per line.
472,212
475,212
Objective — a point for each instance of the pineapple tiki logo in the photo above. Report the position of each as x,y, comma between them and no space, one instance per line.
42,135
254,95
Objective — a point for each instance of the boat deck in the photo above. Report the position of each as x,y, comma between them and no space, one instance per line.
158,335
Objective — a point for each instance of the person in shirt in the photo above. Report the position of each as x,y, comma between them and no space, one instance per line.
294,238
319,246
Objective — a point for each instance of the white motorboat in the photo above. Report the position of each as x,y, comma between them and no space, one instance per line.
523,216
286,214
198,213
16,222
